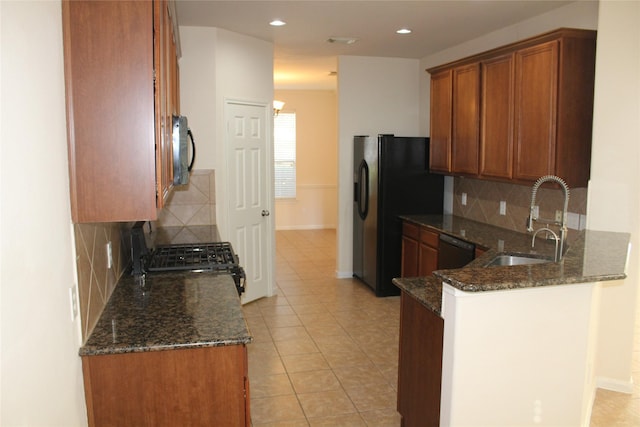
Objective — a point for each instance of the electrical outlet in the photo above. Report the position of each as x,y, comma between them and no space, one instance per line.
573,220
558,216
109,255
464,199
73,300
503,207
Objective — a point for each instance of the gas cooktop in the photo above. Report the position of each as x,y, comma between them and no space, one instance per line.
197,257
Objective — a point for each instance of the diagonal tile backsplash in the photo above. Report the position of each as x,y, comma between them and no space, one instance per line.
483,202
192,204
95,280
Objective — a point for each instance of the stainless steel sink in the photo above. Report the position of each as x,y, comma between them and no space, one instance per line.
506,260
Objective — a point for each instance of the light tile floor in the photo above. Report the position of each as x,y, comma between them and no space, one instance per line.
325,350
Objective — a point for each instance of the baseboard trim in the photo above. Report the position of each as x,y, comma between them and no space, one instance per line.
615,385
344,274
305,227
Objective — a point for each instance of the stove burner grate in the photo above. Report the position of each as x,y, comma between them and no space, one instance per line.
205,256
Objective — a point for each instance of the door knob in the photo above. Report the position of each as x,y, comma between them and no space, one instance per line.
265,213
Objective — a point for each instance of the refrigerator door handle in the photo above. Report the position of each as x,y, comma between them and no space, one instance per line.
363,170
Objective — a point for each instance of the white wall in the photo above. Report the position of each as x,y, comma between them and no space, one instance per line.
614,189
198,90
547,356
41,377
375,95
217,65
316,203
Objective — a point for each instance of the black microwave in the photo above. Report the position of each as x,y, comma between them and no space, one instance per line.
181,163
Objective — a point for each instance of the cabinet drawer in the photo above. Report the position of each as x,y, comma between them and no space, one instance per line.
410,230
429,237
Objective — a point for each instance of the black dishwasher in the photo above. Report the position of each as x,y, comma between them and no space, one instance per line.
454,253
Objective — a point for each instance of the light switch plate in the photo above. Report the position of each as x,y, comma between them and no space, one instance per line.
464,199
73,300
503,207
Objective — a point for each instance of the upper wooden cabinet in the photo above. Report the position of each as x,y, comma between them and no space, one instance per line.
441,114
496,147
466,123
121,89
535,111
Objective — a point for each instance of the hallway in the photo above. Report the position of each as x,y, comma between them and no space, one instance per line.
325,350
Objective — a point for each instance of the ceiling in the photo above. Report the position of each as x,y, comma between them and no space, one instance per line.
303,58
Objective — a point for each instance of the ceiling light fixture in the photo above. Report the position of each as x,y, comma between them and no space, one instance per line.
277,107
342,40
277,23
404,31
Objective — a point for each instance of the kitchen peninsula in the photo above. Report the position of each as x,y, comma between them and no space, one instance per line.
516,343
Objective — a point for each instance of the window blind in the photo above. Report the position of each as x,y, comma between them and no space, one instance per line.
284,141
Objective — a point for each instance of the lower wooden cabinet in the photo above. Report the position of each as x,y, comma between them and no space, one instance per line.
419,250
409,262
190,387
420,364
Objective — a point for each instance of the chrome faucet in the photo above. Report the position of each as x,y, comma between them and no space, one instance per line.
557,255
562,224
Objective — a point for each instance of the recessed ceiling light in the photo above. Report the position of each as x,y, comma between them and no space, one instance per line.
343,40
277,23
404,31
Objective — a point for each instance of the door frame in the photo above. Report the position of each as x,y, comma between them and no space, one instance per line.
269,191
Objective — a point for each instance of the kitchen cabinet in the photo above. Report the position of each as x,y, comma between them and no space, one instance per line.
410,238
420,363
496,140
419,251
535,110
121,90
441,119
466,119
427,252
197,387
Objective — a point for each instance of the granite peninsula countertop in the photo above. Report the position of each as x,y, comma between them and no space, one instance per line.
172,310
591,256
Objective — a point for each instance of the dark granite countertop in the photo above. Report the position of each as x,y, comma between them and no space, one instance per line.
172,310
593,256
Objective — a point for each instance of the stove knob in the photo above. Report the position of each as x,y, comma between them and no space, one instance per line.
265,213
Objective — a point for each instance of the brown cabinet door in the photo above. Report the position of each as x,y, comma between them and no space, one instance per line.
466,119
427,260
164,56
409,266
188,387
420,364
440,140
496,140
108,56
536,87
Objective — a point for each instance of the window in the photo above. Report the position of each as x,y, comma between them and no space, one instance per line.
284,142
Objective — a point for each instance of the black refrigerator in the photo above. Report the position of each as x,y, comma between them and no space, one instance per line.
391,178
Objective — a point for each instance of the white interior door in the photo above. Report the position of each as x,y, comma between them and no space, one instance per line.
250,172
